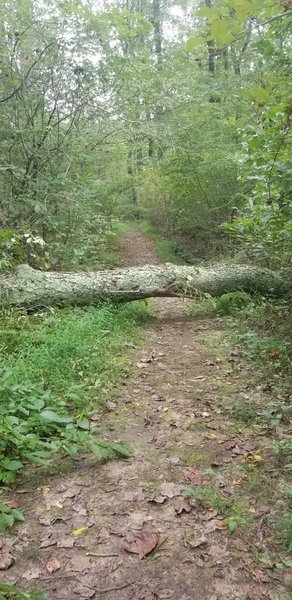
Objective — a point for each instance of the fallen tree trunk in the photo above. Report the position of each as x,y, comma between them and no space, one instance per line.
32,289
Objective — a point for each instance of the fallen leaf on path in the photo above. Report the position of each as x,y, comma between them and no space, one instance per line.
170,490
256,592
261,576
129,345
210,514
135,496
80,531
69,493
144,594
116,530
33,573
255,458
80,509
49,540
6,560
210,436
194,476
199,562
150,358
79,564
217,551
46,521
142,542
12,503
158,499
213,525
181,505
197,542
240,545
174,460
53,565
96,417
111,405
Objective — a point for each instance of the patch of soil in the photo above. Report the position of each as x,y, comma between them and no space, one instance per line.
131,529
137,250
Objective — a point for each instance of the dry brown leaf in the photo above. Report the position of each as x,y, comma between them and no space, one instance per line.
6,560
116,530
181,505
53,565
196,543
47,521
240,545
134,496
213,525
194,476
49,540
217,551
170,490
80,509
96,417
12,503
142,542
261,576
158,499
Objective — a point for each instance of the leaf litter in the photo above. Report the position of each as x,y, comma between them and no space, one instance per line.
142,542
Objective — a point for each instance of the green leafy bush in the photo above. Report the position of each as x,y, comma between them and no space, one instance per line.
57,369
35,424
8,516
9,592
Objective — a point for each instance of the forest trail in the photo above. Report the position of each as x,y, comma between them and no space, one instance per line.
170,410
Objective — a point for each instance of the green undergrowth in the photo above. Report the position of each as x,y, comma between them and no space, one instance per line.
165,249
200,247
232,509
258,337
57,369
9,592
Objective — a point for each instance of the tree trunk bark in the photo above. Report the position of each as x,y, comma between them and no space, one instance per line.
32,289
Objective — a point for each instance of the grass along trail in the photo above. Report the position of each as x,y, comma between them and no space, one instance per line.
202,488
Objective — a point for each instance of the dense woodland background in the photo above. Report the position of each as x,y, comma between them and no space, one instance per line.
177,111
175,115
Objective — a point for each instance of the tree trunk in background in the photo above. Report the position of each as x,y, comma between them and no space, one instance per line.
211,46
34,289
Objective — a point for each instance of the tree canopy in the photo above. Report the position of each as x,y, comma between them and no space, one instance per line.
176,110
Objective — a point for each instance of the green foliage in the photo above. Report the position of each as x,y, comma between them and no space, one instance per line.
228,507
262,224
286,530
231,303
57,369
243,412
9,592
234,522
8,516
167,251
283,450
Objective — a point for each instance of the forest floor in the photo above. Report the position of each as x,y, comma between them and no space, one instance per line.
198,490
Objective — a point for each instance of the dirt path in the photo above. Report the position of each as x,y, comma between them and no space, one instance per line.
171,412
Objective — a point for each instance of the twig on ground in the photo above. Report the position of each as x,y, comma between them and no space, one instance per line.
100,555
114,589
